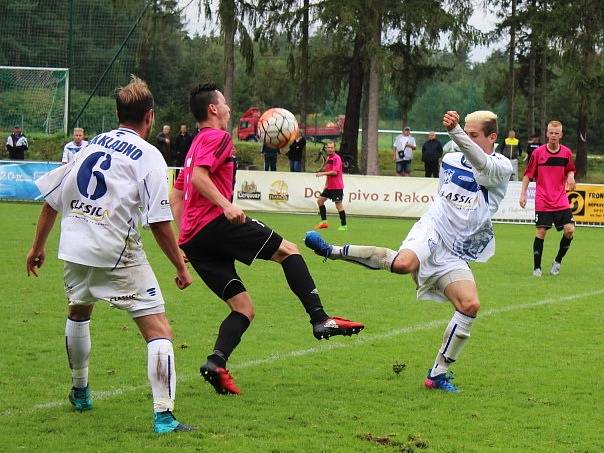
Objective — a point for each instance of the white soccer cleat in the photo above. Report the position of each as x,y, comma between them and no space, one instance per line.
555,270
537,272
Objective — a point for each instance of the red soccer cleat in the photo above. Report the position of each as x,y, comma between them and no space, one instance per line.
322,225
220,378
336,326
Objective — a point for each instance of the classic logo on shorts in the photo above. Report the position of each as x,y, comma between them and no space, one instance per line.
126,297
249,191
278,191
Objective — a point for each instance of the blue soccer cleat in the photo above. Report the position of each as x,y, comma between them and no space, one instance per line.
316,243
164,422
441,382
80,399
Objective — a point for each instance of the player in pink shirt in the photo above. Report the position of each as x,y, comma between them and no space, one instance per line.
552,167
334,187
214,233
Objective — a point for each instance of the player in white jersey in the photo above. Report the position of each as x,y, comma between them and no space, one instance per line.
456,229
118,182
73,147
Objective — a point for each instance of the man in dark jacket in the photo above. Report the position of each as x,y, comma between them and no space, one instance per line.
296,150
16,144
432,150
164,144
182,143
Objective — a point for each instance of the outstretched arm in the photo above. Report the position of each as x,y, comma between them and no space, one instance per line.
37,255
471,150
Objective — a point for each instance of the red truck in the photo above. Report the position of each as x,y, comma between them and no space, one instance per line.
246,128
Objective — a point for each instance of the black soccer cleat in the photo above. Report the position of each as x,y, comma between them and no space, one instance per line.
336,326
220,378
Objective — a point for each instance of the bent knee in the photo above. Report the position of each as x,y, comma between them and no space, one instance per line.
470,307
405,262
285,249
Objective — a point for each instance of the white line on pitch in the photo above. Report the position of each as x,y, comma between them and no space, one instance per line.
100,395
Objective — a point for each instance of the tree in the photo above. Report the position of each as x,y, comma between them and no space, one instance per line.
580,44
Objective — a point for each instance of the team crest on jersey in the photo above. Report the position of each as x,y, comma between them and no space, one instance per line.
447,175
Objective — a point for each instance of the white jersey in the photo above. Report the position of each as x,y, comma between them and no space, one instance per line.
467,199
403,152
118,181
71,149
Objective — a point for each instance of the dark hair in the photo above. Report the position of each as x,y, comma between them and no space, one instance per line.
133,101
201,97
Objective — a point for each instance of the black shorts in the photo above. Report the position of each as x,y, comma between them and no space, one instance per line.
213,251
558,218
335,195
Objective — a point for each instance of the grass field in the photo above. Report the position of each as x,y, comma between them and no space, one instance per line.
530,375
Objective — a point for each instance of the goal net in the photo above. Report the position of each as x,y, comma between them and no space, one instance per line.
34,98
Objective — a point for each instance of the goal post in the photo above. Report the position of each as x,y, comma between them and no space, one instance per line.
36,98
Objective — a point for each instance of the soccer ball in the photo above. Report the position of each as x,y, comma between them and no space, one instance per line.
277,127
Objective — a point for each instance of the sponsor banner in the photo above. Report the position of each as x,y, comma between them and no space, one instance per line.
364,195
17,179
587,203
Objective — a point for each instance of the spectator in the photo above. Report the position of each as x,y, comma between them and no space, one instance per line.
270,157
533,143
403,147
16,144
432,150
512,150
72,148
182,143
164,144
295,153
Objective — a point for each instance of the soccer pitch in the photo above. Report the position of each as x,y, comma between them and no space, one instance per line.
530,374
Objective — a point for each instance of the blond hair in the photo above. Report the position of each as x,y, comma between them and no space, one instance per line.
78,129
486,118
133,101
554,123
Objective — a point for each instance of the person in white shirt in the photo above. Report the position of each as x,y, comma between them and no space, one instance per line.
403,147
73,147
455,230
117,182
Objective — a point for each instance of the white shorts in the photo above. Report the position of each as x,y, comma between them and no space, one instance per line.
134,288
438,267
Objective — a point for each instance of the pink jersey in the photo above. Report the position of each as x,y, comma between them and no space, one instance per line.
549,170
334,163
212,149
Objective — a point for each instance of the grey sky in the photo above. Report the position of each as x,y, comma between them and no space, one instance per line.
480,19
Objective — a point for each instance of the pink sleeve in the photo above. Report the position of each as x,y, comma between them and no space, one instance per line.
213,150
179,184
570,165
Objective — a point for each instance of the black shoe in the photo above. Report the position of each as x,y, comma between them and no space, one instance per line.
220,378
336,326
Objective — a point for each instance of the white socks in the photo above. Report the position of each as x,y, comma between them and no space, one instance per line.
77,343
455,336
161,373
365,255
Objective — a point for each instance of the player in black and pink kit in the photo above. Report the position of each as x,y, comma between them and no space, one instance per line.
214,234
552,167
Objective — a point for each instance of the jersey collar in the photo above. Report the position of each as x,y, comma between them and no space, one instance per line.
128,130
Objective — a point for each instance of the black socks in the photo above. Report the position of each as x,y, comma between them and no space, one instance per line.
303,286
229,335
